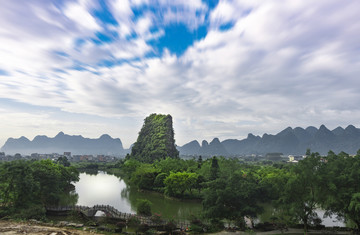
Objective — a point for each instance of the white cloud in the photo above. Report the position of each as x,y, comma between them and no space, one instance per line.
283,63
223,13
122,12
79,14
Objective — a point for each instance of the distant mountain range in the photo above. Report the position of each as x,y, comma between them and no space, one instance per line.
76,144
289,141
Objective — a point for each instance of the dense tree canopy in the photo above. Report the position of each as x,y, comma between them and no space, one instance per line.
27,187
156,140
231,189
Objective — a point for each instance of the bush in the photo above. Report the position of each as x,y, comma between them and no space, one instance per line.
196,225
159,180
31,212
156,218
241,224
133,222
196,228
143,207
216,225
120,225
170,226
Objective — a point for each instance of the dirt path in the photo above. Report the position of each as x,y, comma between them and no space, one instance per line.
10,228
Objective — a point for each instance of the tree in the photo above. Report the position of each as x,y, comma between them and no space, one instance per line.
301,193
232,198
200,161
63,161
214,170
170,164
27,187
17,184
340,184
144,176
177,183
159,180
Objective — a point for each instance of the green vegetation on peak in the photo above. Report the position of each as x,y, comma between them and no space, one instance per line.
156,140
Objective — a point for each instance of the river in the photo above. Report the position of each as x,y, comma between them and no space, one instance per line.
105,189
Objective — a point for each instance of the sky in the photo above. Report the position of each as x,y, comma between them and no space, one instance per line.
220,68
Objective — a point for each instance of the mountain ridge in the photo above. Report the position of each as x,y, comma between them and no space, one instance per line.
76,144
288,141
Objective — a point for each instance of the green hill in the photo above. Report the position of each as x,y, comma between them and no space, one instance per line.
155,140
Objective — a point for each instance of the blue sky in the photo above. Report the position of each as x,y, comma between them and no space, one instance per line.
220,68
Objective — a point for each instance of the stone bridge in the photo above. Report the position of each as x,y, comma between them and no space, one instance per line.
91,211
111,212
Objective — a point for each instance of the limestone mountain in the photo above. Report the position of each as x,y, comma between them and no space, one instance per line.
76,144
288,141
155,140
191,148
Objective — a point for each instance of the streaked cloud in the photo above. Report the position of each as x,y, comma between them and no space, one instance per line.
249,66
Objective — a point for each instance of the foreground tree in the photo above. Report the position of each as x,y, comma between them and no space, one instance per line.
340,186
232,198
301,193
27,187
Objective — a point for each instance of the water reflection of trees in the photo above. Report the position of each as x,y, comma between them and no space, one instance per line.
69,198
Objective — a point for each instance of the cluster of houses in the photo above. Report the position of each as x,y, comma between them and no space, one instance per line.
106,158
55,156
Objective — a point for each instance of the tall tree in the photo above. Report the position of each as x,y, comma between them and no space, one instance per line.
340,186
214,170
232,198
301,193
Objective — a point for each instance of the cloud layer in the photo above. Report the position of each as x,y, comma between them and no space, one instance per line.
260,67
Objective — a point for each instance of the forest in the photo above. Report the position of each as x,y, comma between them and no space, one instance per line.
231,189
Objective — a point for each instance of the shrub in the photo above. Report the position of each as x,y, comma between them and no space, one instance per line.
156,218
133,222
143,207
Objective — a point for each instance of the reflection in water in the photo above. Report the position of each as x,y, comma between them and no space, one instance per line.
110,190
69,199
168,208
329,221
269,212
102,189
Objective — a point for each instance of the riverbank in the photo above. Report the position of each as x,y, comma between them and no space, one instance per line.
292,231
36,228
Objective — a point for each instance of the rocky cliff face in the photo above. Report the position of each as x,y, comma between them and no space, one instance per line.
155,140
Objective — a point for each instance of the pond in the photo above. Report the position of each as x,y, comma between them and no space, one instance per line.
105,189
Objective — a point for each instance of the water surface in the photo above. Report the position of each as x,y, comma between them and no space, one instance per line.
110,190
